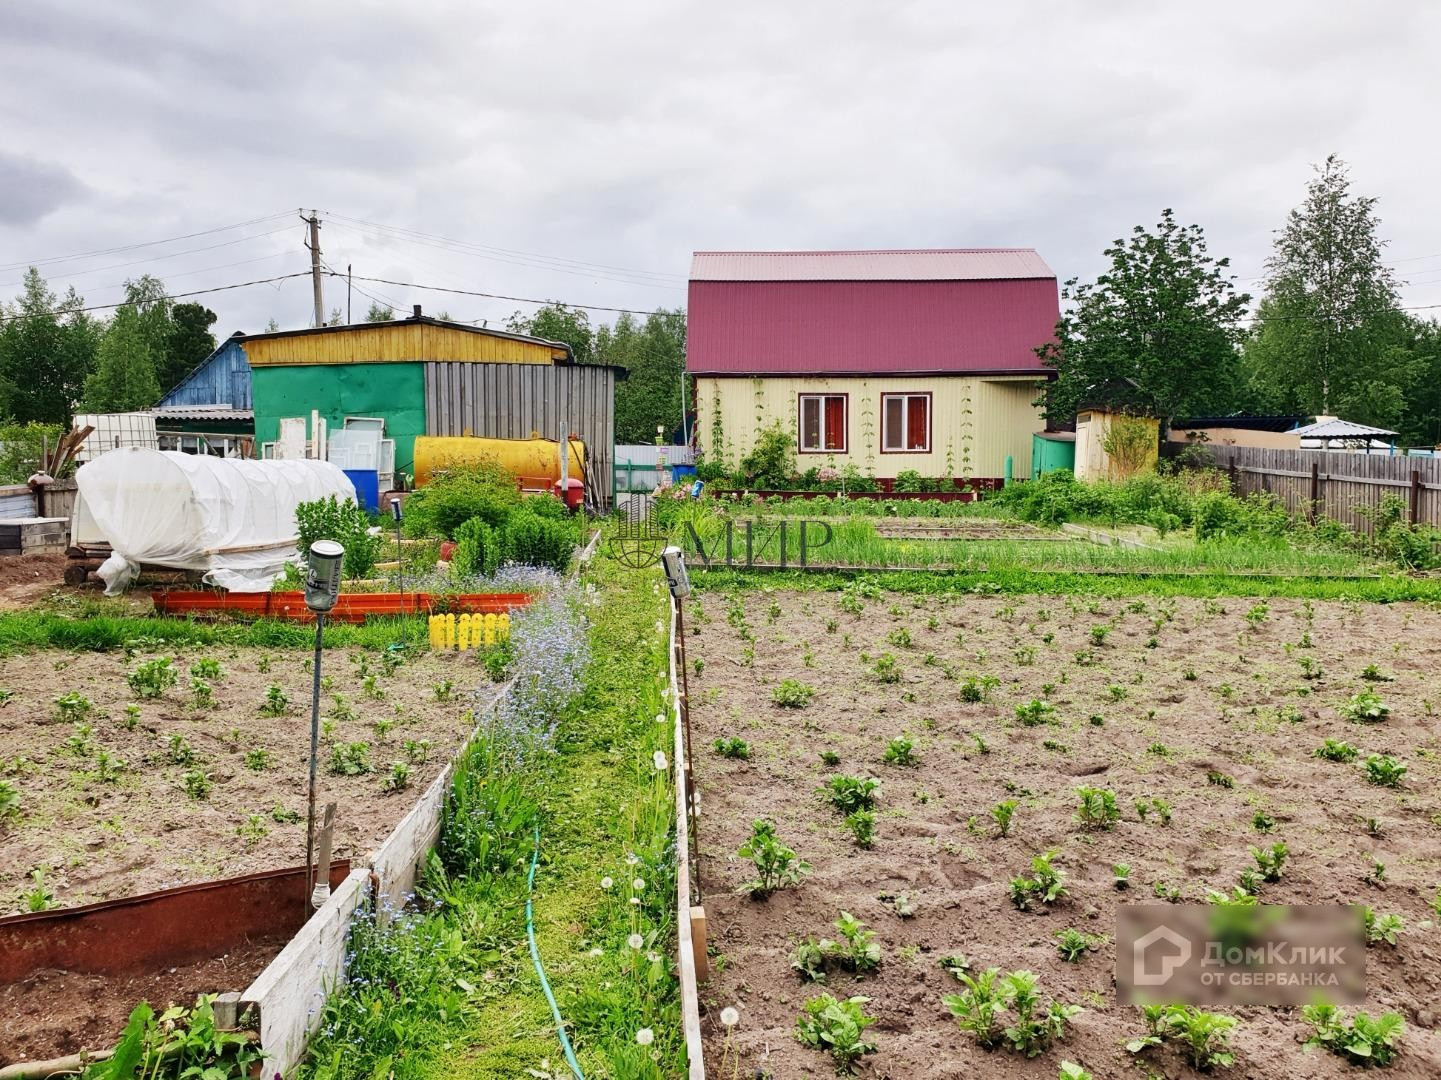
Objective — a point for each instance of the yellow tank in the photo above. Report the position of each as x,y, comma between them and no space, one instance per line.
530,459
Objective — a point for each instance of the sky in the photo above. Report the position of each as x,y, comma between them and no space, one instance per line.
581,152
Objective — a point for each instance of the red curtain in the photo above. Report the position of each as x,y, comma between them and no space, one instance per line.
835,423
917,422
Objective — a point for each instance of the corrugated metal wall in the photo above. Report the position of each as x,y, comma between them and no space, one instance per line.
635,464
510,401
223,379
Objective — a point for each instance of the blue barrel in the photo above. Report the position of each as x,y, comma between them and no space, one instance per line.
682,473
367,488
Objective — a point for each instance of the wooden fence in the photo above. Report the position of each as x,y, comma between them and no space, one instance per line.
1335,484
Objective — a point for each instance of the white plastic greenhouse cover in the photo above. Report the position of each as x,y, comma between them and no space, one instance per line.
232,518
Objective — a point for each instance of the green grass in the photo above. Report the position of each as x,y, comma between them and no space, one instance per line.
854,543
1387,589
23,631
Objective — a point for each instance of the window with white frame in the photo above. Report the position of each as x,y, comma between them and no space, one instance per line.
823,424
905,423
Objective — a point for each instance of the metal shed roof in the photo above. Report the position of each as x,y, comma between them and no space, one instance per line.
941,264
1338,429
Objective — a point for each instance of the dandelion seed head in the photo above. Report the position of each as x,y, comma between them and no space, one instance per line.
638,884
635,941
730,1016
606,883
645,1036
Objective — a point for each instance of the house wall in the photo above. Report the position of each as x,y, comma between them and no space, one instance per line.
222,379
1270,440
975,421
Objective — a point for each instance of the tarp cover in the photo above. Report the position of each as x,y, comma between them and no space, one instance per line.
233,519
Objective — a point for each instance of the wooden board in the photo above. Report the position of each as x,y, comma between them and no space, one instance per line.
33,535
689,992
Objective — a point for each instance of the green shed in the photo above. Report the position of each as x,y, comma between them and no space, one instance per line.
1052,450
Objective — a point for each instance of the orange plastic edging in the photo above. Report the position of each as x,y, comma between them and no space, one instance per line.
350,607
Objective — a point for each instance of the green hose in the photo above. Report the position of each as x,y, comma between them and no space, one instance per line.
540,971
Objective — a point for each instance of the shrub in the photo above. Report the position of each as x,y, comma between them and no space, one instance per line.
345,523
539,541
458,493
477,549
772,461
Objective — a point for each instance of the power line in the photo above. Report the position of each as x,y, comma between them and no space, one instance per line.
513,299
134,247
170,296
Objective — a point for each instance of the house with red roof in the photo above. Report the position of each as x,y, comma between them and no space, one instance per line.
888,361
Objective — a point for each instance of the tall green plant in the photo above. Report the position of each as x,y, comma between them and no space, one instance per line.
344,522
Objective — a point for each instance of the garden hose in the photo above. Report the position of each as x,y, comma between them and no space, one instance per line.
540,971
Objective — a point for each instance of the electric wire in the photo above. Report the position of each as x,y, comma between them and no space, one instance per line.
134,247
170,296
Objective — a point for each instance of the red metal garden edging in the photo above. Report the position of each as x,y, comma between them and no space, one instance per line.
887,496
350,607
139,934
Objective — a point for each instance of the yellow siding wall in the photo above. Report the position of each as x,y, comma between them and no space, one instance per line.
976,421
1092,461
402,341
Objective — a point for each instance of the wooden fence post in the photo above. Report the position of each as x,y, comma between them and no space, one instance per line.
1315,490
1415,507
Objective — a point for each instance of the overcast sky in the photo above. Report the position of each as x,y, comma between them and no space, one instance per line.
581,151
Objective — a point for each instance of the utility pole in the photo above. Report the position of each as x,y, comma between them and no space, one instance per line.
348,319
314,246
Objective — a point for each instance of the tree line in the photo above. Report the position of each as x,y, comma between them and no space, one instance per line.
1167,326
56,358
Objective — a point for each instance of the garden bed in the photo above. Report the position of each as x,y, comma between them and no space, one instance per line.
186,793
1218,720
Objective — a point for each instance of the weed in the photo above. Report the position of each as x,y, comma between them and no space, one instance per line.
350,759
252,830
900,751
1384,770
1034,713
830,757
443,690
276,703
1364,1041
197,784
1220,779
791,694
733,747
831,627
1098,808
1002,813
1270,860
862,824
851,793
1365,708
1262,822
776,865
837,1028
1046,883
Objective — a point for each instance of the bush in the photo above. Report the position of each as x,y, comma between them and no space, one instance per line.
345,523
457,494
539,541
772,462
477,549
20,447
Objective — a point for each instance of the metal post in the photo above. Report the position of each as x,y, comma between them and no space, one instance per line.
399,565
310,869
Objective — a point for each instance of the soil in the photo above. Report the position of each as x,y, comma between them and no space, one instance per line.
1209,693
55,1013
95,839
25,579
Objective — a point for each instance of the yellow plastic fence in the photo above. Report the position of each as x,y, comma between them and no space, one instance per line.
468,631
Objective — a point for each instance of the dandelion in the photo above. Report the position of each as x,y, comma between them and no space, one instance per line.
660,718
638,884
659,759
658,626
635,941
607,883
635,901
645,1036
597,951
730,1016
632,859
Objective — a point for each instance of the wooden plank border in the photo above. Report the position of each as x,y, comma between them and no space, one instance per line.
685,944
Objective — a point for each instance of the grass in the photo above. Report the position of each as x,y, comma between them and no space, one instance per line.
854,543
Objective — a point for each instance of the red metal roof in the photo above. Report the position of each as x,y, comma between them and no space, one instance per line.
937,264
894,321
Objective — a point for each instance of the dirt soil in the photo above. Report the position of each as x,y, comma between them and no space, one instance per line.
55,1013
25,579
94,836
1214,694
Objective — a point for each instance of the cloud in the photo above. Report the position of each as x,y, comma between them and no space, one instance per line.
30,189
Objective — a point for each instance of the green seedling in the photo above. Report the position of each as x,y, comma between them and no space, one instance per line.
1384,770
9,802
257,759
1381,928
276,702
1098,809
900,637
252,830
152,678
39,897
862,824
1220,779
350,759
202,693
979,1010
1071,1071
733,747
851,793
776,865
792,694
1262,822
206,668
830,757
178,750
956,965
978,688
1121,875
1363,1041
443,689
197,784
1072,944
1365,708
1035,712
371,688
838,1028
1336,750
1046,884
1372,673
1203,1038
1270,860
398,778
415,751
886,669
1003,813
899,751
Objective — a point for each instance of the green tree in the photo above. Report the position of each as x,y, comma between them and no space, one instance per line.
556,322
1421,423
190,342
1328,331
47,348
653,354
1165,316
124,376
379,313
